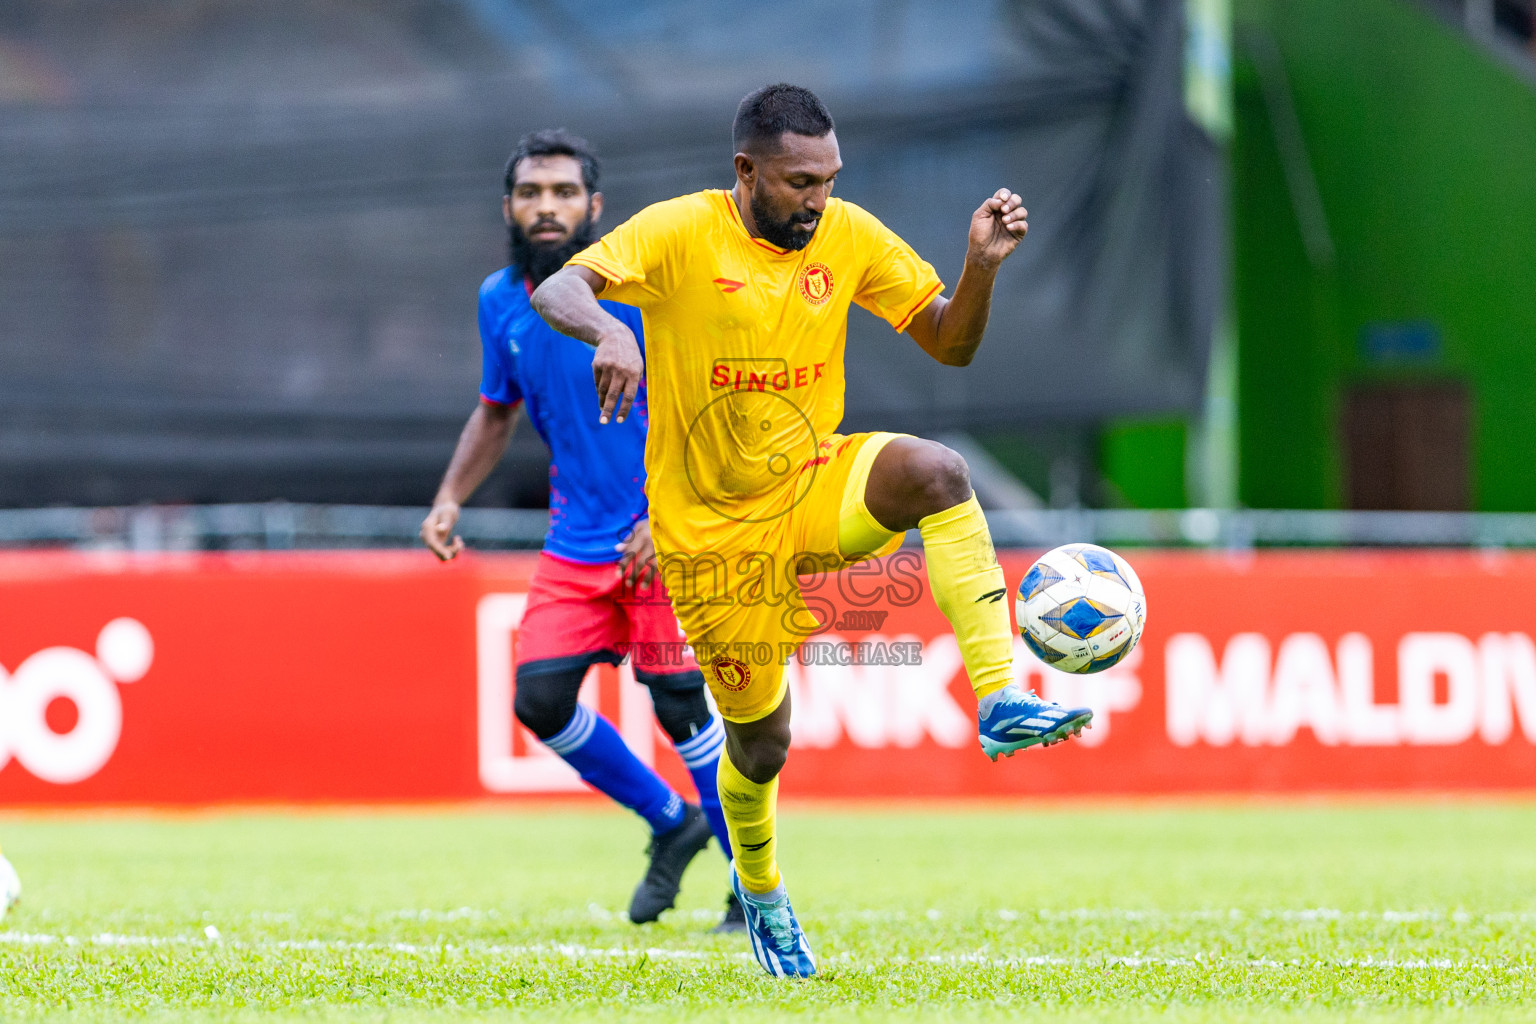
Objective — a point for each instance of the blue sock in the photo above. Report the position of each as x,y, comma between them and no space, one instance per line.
701,753
594,748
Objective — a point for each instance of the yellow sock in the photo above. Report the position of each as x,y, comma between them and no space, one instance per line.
749,814
970,590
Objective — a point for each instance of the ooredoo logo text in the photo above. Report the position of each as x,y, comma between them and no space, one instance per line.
62,751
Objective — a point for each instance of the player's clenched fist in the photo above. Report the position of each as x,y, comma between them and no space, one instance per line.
617,367
437,530
997,226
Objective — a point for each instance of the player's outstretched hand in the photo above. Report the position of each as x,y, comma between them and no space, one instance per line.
637,556
617,367
997,227
437,530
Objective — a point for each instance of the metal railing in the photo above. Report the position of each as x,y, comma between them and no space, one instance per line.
281,525
270,526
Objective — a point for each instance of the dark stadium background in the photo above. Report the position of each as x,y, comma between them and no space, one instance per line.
239,243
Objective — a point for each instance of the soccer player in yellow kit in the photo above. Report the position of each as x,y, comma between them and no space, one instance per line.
745,297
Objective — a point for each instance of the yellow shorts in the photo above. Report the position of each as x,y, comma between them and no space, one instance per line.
742,610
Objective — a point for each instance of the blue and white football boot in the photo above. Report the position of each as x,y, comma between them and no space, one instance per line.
777,941
1012,719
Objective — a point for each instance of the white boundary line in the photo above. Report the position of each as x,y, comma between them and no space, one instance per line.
580,952
1303,915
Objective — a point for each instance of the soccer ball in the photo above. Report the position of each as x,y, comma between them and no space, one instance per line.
1081,608
10,887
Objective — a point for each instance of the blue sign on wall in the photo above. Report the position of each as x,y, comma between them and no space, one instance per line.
1412,342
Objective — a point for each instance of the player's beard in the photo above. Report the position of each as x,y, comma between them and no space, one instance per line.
539,261
781,232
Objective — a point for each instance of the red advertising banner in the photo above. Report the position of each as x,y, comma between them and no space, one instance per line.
373,676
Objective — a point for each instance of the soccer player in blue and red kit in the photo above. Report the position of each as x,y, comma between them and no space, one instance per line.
595,594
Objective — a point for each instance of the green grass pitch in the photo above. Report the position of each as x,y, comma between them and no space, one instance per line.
1198,911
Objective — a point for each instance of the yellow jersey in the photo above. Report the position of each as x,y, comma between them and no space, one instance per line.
744,346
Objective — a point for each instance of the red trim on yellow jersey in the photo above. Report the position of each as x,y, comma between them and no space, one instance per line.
918,308
736,217
594,264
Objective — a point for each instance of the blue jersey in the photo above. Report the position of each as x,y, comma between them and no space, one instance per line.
596,473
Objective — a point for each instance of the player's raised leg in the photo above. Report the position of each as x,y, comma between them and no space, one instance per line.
921,484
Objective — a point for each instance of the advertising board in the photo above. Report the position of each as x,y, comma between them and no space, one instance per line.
384,676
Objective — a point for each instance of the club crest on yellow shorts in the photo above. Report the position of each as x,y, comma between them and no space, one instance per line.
731,674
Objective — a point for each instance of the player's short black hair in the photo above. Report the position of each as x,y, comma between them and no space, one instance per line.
769,112
555,142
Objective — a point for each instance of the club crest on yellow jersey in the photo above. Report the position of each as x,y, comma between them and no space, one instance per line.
816,283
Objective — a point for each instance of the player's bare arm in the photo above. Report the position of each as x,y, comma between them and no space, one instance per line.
950,330
568,302
481,445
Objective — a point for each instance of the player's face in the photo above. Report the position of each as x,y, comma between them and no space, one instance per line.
790,187
550,215
549,202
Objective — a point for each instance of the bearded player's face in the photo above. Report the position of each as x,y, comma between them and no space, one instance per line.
550,214
791,184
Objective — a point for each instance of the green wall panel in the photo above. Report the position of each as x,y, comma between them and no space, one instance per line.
1423,148
1144,461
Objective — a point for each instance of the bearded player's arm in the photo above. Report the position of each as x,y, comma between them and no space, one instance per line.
950,330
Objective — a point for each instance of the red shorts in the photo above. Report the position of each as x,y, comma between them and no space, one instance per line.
579,614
